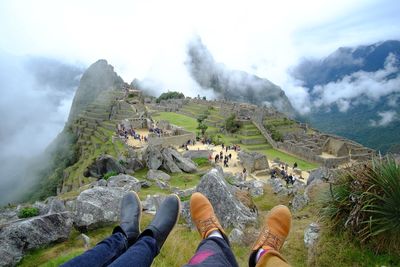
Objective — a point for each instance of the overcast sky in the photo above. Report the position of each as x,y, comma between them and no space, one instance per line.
148,38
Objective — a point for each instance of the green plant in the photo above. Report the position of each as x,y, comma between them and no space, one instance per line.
170,95
28,212
202,127
109,174
365,201
231,124
201,162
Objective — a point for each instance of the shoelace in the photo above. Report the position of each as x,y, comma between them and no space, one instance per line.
207,224
270,239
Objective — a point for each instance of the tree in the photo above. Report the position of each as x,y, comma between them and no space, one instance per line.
231,124
202,127
170,95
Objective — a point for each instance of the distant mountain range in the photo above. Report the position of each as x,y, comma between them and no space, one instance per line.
355,92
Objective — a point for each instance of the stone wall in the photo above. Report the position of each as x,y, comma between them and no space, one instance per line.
175,140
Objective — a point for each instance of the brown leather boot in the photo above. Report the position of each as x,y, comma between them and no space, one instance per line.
204,217
276,228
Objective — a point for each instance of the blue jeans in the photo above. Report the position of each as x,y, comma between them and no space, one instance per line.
213,252
113,251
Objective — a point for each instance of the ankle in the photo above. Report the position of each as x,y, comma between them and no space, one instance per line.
215,233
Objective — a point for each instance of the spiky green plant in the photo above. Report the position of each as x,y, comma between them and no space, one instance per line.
365,201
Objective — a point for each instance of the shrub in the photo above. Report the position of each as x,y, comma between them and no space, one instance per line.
109,174
28,212
202,127
365,201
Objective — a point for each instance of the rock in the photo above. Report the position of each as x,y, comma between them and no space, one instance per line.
7,215
153,157
311,235
101,182
168,162
97,206
134,164
229,210
162,185
184,164
152,203
41,206
236,236
185,193
55,206
86,240
145,184
18,237
299,202
256,188
298,186
277,186
102,165
158,175
195,154
253,161
128,182
322,173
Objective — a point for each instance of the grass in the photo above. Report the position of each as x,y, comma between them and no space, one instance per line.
289,159
188,123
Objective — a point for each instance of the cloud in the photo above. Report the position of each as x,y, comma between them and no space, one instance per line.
34,106
359,86
386,117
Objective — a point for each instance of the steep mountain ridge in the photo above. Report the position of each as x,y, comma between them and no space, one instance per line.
233,85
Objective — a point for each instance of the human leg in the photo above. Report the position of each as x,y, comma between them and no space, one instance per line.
265,251
123,236
150,241
214,250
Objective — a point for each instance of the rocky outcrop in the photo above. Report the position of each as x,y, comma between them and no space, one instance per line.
253,161
229,210
322,174
169,159
20,236
153,158
102,165
185,164
157,175
134,164
96,207
128,182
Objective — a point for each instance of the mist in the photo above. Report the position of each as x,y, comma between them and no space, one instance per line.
36,95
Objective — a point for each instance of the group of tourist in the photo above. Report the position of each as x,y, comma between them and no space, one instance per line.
123,132
284,174
156,131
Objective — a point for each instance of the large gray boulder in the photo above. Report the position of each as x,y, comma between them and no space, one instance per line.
97,206
229,210
153,157
128,182
185,164
134,164
18,237
168,162
320,174
158,175
300,200
277,186
253,161
196,154
102,165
